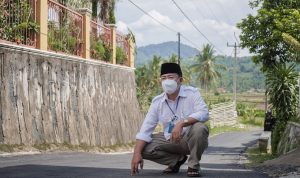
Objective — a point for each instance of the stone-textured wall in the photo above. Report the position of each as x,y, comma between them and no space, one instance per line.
290,139
49,98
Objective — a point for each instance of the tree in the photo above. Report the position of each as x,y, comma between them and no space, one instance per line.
187,74
148,82
106,13
206,67
294,43
283,89
262,33
291,41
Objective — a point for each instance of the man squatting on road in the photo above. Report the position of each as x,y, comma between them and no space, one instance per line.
182,112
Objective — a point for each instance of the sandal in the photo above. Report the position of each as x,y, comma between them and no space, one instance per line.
193,172
175,169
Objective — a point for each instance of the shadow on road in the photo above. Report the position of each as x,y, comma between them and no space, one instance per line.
47,171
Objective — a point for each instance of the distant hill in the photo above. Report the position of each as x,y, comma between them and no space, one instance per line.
249,75
165,50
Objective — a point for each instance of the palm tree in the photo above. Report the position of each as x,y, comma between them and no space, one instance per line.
187,74
106,13
148,82
206,67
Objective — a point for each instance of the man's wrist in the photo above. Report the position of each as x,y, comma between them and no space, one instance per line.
137,152
185,122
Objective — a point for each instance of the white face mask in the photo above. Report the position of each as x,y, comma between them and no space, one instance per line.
169,86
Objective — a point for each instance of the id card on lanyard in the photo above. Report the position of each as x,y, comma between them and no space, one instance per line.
174,117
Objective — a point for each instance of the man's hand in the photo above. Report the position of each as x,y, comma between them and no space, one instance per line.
135,162
176,133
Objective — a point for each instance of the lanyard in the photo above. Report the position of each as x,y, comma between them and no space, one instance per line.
176,106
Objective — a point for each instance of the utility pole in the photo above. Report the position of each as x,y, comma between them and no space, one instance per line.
234,71
178,48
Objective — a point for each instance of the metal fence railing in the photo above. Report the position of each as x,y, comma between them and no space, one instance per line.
223,114
49,25
18,22
100,46
65,28
122,48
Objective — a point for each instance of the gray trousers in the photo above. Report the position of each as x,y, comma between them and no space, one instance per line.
193,143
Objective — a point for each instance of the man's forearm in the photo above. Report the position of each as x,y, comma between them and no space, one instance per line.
190,120
139,146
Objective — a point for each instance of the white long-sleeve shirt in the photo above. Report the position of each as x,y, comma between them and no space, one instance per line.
190,105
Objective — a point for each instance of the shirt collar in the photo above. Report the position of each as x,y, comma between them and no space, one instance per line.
181,93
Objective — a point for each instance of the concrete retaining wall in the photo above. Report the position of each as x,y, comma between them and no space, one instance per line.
290,139
50,98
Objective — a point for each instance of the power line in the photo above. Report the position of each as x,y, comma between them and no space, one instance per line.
152,17
200,12
167,27
212,12
235,46
196,26
226,15
236,39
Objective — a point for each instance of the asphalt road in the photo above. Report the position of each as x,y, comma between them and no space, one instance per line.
221,160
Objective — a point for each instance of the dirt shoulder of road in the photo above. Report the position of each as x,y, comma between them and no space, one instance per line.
287,165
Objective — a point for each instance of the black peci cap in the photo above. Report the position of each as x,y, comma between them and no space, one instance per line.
170,68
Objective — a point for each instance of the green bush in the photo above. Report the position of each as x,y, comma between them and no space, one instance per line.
276,135
107,54
64,38
250,115
97,49
15,18
120,55
282,89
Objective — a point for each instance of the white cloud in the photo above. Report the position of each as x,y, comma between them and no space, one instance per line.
146,22
216,19
122,27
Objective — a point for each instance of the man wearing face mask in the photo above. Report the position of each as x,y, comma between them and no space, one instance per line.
182,112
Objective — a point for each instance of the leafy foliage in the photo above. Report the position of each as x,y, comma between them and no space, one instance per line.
64,36
206,67
249,76
249,114
16,22
262,33
97,49
269,34
106,13
148,80
283,90
120,56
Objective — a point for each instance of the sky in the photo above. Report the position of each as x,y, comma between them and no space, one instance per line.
215,19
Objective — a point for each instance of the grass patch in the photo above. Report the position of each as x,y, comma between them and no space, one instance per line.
8,148
256,121
42,146
255,157
223,129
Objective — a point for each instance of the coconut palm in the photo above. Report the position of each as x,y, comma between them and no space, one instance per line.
106,13
206,68
185,70
148,82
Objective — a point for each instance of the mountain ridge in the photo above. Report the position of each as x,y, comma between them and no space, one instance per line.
165,50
